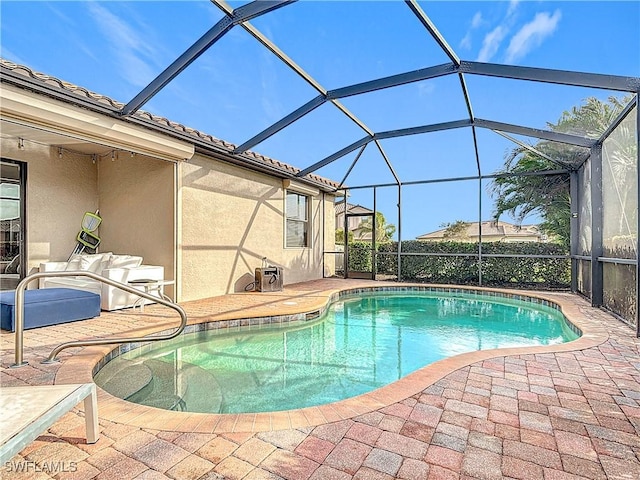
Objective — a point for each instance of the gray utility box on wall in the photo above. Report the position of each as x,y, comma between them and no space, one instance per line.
269,279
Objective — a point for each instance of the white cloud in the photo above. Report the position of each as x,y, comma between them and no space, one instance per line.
465,43
477,20
513,5
491,43
130,48
532,34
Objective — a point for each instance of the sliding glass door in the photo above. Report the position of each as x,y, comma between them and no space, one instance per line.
12,223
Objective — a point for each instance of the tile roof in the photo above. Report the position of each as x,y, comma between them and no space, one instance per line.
150,119
339,207
489,227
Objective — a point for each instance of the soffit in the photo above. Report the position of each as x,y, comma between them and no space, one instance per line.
56,121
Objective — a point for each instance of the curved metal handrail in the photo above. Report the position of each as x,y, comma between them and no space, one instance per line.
19,315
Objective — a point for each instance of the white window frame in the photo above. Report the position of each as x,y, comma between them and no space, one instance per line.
307,220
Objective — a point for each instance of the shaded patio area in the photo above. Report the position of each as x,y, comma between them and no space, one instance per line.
569,414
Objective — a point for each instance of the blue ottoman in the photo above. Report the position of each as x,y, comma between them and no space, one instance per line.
49,306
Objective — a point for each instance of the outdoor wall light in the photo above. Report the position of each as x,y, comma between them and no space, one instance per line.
59,152
20,143
113,155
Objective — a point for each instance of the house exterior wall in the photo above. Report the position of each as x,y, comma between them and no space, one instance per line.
230,218
523,238
353,224
59,192
208,223
491,232
485,238
137,205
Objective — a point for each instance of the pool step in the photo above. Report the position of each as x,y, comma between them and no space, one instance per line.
165,390
124,379
193,387
154,382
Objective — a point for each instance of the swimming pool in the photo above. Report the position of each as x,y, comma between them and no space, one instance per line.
362,342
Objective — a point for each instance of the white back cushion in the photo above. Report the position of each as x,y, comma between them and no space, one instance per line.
92,262
124,261
73,264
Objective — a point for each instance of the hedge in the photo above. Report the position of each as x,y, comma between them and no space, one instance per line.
359,256
519,272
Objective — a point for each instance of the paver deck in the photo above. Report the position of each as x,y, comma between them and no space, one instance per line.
565,412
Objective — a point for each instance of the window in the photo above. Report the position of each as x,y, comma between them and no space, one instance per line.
297,220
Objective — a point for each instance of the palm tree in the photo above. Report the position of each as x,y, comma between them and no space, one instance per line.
549,195
620,190
340,236
384,230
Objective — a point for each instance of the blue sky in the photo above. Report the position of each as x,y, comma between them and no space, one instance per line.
237,88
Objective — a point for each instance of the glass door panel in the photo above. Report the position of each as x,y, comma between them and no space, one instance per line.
12,207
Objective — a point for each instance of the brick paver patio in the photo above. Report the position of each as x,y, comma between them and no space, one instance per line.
568,414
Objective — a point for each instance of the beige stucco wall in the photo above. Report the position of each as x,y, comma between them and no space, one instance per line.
59,192
210,239
137,204
230,219
485,239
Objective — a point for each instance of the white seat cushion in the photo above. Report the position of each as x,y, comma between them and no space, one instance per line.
78,283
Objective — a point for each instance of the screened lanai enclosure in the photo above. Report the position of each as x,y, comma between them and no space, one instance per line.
379,98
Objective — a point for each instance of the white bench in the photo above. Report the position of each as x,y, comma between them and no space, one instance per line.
27,412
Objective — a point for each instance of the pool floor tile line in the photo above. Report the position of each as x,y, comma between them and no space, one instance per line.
572,411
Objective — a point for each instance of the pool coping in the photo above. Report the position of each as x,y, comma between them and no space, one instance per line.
80,367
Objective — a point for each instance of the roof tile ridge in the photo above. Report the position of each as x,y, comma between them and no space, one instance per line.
63,85
291,168
71,87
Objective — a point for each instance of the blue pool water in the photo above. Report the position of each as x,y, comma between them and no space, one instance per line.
360,344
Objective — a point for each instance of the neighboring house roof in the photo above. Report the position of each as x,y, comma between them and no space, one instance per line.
351,208
354,222
489,228
24,77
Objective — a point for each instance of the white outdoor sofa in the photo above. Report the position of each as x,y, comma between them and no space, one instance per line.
121,268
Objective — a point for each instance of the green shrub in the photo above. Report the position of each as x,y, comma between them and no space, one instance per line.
360,257
463,269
